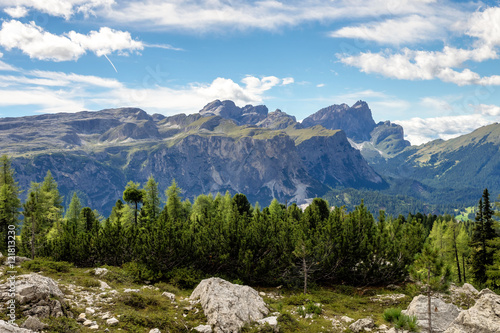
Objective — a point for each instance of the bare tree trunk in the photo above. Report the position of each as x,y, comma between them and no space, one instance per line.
304,269
458,265
32,236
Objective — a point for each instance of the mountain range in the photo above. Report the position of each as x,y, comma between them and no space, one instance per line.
247,150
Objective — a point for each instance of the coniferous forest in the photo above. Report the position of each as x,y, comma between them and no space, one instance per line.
224,235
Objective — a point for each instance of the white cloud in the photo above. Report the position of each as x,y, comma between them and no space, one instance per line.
48,100
61,8
222,15
419,130
320,85
425,65
16,12
42,45
436,104
485,25
486,110
287,80
409,29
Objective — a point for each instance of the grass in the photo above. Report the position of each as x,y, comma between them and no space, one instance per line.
147,309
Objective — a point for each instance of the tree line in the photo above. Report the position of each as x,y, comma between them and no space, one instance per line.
226,236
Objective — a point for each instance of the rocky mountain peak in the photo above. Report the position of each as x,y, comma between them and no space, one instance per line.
356,121
247,115
277,120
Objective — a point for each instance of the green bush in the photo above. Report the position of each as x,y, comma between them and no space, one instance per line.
391,315
138,301
167,287
313,308
287,322
140,272
47,265
88,282
62,325
185,278
299,299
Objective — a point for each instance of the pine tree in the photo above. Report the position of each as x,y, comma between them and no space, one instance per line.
9,201
151,200
483,233
34,220
133,195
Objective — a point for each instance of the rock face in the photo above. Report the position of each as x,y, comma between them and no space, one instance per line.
242,116
355,121
483,317
38,296
277,120
228,306
443,314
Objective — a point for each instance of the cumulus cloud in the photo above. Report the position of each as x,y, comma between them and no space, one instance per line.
485,25
43,45
409,29
61,8
425,65
419,130
16,12
487,110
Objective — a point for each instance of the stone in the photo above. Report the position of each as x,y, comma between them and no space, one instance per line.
5,327
155,330
105,316
131,290
361,325
40,295
81,318
170,296
88,322
443,314
90,311
101,271
483,317
112,321
203,329
104,285
228,306
271,321
346,319
94,327
34,324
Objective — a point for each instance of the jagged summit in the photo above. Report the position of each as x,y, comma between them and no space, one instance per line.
356,121
247,115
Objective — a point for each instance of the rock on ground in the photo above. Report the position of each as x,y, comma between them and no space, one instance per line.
38,295
361,324
155,330
483,317
203,329
5,327
442,314
228,306
34,324
271,321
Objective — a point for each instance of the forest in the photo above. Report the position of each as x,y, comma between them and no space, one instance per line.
224,235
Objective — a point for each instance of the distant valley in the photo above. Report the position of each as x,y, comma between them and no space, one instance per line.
253,151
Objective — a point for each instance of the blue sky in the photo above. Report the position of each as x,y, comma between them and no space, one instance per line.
431,66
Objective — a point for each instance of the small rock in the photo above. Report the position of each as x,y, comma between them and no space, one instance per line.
131,290
104,285
346,319
90,311
362,325
34,324
170,296
81,318
88,323
94,327
272,321
101,271
105,316
155,330
112,321
263,294
203,329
